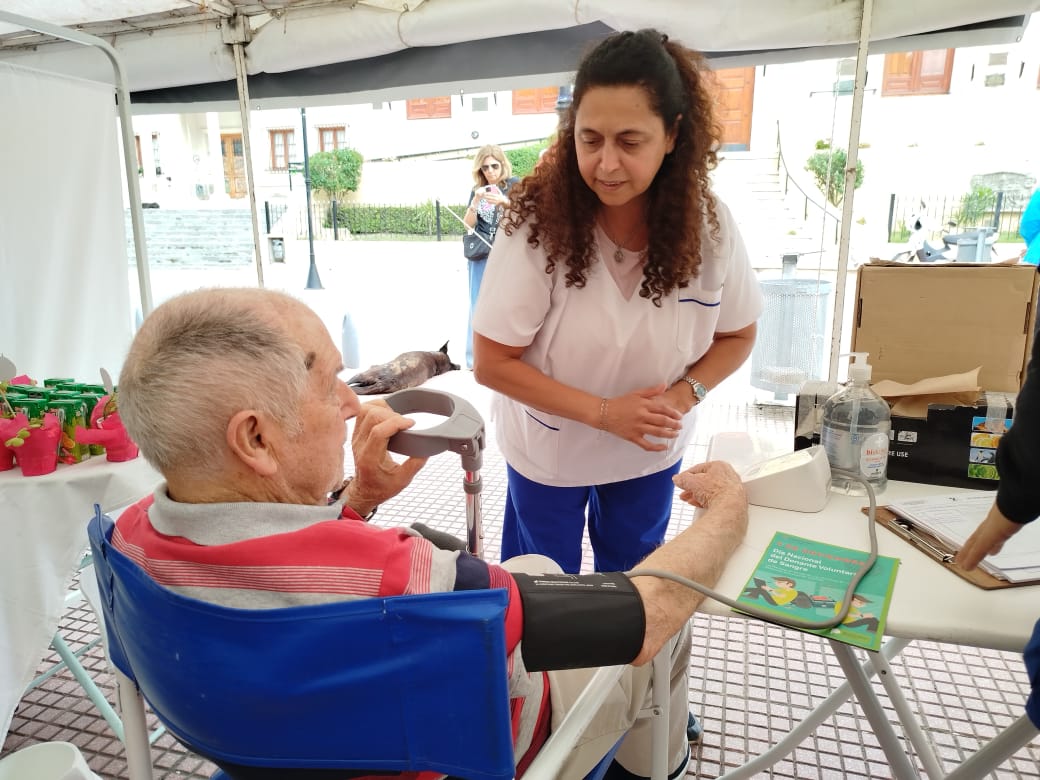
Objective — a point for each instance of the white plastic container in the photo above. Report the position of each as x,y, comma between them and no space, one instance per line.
46,761
855,431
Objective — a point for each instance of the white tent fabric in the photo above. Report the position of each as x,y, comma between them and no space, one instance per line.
177,43
63,254
163,45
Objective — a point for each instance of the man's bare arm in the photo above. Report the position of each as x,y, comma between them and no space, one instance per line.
699,553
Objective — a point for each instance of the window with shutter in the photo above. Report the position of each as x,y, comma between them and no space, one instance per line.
918,72
535,101
429,108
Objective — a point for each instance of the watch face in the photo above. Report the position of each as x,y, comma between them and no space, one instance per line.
699,390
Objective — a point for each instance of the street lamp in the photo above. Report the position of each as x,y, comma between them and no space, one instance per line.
313,280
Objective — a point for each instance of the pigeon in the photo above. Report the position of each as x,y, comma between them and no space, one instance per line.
409,369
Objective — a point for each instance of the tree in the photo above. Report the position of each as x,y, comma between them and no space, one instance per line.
828,168
336,173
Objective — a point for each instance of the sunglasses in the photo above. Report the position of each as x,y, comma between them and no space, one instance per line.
492,167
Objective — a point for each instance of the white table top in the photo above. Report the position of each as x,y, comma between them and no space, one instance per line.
929,602
43,533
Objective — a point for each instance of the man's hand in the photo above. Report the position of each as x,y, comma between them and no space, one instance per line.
987,539
701,484
377,476
699,553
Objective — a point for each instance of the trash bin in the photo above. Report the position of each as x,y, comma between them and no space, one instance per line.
789,348
277,249
976,246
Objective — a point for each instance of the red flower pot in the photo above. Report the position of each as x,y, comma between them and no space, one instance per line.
8,428
39,454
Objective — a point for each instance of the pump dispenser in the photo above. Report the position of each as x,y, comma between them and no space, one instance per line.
855,431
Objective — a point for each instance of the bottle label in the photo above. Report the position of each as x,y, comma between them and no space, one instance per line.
873,455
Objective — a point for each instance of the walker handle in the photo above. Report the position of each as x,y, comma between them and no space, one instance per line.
461,432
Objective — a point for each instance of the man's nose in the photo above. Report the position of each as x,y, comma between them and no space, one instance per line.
349,402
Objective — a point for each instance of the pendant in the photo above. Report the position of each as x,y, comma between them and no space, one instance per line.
619,255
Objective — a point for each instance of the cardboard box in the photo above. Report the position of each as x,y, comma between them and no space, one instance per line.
919,321
955,446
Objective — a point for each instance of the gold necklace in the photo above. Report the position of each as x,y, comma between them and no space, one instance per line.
619,254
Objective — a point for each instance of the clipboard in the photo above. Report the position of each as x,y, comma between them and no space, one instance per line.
939,552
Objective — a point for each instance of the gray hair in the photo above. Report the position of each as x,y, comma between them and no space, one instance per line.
198,360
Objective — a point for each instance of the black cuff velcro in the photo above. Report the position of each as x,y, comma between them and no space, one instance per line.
579,620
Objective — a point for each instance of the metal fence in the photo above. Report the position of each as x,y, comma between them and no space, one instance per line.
429,221
948,212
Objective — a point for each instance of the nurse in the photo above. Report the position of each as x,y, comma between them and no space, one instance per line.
617,295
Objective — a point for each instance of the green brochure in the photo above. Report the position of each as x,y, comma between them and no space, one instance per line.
806,579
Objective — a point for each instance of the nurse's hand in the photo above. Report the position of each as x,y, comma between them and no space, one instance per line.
641,414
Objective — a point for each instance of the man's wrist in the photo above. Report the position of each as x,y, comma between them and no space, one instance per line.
367,509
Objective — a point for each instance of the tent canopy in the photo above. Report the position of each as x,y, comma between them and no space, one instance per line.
178,52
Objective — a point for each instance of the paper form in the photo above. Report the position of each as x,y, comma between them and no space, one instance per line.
953,518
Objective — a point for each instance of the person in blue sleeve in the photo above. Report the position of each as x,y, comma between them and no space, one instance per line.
1029,229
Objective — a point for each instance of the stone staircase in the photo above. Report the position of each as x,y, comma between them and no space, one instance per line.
773,224
194,237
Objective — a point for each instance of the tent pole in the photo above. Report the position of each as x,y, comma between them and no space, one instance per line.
127,134
850,187
243,108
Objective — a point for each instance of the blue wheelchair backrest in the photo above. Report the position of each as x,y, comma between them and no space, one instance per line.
405,683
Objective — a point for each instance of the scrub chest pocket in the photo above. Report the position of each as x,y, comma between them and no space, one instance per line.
697,314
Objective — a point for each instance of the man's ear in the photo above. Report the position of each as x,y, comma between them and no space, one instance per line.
247,438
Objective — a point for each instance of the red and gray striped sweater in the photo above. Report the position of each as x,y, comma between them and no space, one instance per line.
264,556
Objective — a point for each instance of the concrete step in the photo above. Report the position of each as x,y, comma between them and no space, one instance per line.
195,237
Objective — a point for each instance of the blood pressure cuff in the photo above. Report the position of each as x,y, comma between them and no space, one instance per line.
573,621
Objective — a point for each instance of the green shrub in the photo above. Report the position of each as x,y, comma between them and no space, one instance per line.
900,235
419,220
336,173
975,205
525,158
828,168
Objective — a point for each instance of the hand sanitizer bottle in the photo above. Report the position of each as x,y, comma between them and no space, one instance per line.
855,431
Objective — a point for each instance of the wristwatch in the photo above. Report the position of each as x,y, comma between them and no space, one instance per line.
699,390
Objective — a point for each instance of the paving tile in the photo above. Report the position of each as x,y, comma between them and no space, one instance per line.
744,692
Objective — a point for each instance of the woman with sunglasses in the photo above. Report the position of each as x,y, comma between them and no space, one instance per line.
492,179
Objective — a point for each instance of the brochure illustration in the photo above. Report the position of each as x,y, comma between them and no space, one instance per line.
806,579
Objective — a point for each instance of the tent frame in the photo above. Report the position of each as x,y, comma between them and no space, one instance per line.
127,132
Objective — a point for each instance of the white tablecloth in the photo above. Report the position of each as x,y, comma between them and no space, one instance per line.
43,533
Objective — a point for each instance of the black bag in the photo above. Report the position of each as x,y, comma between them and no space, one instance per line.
475,246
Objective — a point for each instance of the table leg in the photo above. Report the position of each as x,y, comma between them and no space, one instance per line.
811,722
911,726
871,706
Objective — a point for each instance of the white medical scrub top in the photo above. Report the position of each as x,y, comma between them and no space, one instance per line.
595,339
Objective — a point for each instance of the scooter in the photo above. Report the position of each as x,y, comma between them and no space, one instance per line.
971,245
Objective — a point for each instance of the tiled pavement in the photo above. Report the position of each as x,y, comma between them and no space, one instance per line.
750,682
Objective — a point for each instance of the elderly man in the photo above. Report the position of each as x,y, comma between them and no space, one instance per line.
234,396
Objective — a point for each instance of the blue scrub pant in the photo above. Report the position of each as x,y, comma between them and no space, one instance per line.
476,276
627,520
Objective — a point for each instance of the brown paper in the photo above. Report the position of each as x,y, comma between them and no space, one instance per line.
913,400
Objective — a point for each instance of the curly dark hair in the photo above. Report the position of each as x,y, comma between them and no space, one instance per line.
562,209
